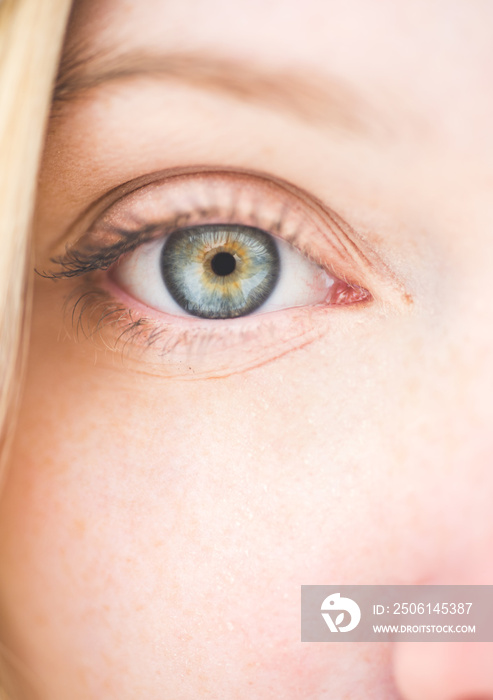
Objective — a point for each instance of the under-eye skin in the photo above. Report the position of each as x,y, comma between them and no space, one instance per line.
217,271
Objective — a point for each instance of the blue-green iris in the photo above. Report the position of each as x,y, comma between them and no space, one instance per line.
220,270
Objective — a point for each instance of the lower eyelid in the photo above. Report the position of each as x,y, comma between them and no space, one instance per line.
186,322
160,344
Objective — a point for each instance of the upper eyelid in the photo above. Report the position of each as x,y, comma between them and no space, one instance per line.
352,259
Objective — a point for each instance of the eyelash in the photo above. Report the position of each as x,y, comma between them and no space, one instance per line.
93,307
76,263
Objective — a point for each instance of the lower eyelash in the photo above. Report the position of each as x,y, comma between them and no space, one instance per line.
93,312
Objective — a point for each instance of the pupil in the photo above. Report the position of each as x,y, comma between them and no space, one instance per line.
223,264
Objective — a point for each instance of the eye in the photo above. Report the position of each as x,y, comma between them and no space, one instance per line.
221,271
209,272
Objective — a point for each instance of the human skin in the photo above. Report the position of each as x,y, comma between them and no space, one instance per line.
157,523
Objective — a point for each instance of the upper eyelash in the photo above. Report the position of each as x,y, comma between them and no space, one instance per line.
77,261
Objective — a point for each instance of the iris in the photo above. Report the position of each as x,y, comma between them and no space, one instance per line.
220,270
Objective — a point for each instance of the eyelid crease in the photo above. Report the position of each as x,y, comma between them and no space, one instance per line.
350,258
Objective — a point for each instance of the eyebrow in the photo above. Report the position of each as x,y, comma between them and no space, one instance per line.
313,98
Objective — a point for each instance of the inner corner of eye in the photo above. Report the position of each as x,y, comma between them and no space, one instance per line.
345,293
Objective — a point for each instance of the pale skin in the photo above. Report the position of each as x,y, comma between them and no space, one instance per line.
157,524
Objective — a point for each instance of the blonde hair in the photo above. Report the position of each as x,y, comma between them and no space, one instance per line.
31,36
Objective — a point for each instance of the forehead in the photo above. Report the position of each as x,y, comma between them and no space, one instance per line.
433,57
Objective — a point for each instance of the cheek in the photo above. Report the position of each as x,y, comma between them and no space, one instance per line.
166,530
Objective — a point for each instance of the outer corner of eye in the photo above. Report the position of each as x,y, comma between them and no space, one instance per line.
221,271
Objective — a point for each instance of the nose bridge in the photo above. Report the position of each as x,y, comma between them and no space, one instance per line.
466,358
457,311
457,381
442,456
